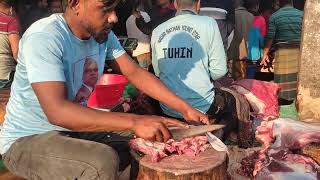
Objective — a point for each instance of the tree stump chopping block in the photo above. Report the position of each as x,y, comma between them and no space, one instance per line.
208,165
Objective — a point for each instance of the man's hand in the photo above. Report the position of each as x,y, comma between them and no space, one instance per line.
195,116
265,60
154,128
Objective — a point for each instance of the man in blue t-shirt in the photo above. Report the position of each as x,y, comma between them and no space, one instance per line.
187,54
42,135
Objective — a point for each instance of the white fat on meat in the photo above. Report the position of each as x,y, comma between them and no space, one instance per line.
256,104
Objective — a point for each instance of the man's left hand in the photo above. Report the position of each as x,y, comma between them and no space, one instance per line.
193,115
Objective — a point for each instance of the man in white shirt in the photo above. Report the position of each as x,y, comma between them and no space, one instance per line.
142,52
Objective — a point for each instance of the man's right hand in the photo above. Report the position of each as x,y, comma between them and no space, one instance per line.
265,60
155,128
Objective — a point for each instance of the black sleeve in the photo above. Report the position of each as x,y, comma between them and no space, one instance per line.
230,17
145,27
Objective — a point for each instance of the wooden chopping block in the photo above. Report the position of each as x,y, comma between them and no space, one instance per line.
208,165
4,97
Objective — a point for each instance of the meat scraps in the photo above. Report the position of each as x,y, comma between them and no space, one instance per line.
157,151
293,134
287,133
278,166
262,96
275,159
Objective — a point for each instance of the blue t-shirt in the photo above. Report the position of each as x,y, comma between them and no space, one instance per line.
48,51
187,52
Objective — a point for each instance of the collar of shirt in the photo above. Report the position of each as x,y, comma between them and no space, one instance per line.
288,6
186,11
88,87
241,8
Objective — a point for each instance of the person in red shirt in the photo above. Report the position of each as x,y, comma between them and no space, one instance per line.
9,40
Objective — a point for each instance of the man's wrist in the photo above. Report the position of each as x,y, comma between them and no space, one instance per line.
132,122
184,108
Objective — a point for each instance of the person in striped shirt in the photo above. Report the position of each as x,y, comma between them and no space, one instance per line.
284,32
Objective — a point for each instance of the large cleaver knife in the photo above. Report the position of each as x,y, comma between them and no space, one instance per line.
178,134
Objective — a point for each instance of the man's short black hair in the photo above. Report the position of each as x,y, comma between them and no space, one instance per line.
284,2
250,4
186,3
9,2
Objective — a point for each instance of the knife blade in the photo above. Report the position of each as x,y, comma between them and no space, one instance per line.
178,134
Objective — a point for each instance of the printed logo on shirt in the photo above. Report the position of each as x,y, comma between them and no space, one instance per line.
182,52
184,28
88,81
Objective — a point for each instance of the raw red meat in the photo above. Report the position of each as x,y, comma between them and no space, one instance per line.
155,149
287,133
262,96
275,160
189,146
293,134
278,166
289,166
264,134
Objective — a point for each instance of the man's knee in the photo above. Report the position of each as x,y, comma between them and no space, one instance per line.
103,163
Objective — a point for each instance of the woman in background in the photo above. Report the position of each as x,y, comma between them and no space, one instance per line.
9,41
256,37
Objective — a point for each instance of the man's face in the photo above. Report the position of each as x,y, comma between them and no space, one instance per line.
98,18
90,74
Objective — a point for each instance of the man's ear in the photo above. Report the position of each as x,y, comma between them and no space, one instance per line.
74,5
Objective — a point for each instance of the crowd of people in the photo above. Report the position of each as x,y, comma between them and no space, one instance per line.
53,60
253,33
16,17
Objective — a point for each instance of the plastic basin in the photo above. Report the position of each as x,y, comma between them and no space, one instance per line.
108,91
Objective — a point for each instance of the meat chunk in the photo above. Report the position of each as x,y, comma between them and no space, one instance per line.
289,166
157,151
293,134
275,160
262,96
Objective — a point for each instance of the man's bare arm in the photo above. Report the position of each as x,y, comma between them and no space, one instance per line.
153,87
266,50
64,113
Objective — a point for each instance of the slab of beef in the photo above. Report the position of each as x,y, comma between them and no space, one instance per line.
293,134
284,165
275,160
279,166
157,151
262,96
287,133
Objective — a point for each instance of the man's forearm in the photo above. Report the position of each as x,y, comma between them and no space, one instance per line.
77,118
64,113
